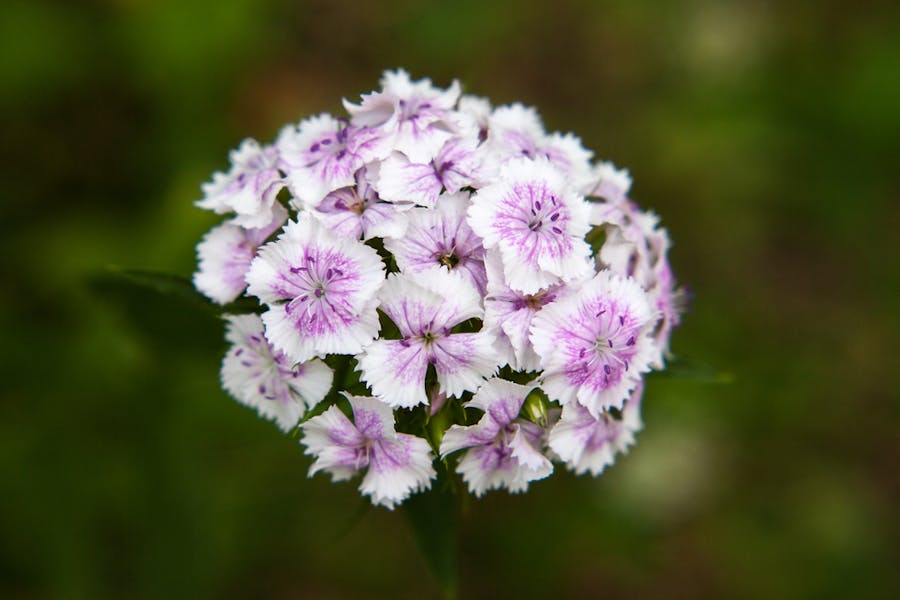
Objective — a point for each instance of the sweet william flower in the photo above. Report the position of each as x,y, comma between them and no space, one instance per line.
516,131
416,116
396,464
358,212
507,246
323,153
249,189
590,444
320,291
594,344
536,222
502,449
441,237
509,313
637,247
260,377
426,307
224,257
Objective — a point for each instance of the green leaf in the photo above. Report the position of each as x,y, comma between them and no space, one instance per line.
163,283
434,519
176,286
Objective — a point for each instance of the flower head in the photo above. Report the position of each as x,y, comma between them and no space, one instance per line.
396,464
510,257
503,450
259,376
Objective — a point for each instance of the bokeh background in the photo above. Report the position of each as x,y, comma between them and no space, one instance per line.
766,134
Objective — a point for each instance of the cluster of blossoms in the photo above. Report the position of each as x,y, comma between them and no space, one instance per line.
436,282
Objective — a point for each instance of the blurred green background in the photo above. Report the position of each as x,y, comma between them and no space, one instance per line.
766,134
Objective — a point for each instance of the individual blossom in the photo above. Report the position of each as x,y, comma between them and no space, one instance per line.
358,212
536,221
260,377
320,291
503,450
590,444
456,165
323,153
610,183
224,257
509,313
426,307
441,237
415,115
249,189
516,131
637,247
396,464
594,344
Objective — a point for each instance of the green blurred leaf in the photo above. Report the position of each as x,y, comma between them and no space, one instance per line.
164,283
164,308
682,367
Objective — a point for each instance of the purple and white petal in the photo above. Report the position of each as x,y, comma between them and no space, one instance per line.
401,180
395,370
462,360
590,444
441,237
594,344
610,183
335,443
249,189
537,223
320,291
526,448
476,112
567,153
224,256
514,131
398,468
260,377
456,165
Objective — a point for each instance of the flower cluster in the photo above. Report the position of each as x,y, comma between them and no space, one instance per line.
434,282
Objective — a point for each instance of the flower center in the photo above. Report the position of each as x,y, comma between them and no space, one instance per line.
448,260
357,204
